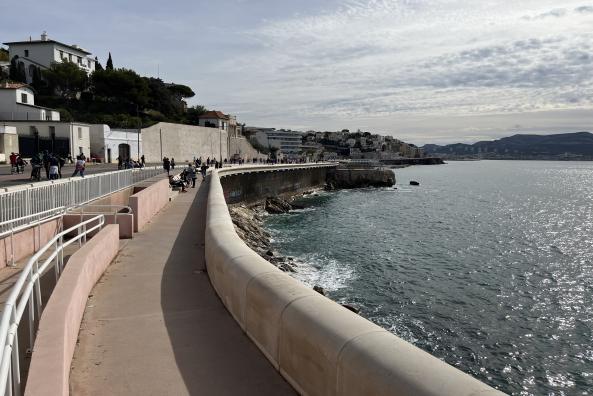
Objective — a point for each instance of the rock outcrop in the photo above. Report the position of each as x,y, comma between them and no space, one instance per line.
356,178
248,225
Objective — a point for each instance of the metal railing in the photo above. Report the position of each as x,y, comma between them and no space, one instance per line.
26,294
20,202
9,228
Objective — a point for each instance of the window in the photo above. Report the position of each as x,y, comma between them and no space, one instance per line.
24,98
79,60
26,53
61,55
79,132
70,57
89,62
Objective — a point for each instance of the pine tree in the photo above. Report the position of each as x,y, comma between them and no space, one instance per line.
109,64
98,64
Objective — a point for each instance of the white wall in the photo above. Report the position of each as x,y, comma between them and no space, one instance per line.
183,142
62,130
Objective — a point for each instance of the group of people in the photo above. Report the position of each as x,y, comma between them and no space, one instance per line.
52,164
188,175
129,163
17,163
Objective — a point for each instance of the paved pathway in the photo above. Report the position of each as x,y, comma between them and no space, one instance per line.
155,326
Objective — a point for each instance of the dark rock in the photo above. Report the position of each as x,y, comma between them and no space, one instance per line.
351,308
319,290
270,253
414,183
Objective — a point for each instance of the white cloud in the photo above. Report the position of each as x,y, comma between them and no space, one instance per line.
379,59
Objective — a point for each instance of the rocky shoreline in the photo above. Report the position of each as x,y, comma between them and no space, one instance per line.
248,222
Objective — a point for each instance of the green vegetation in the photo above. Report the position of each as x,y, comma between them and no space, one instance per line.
118,97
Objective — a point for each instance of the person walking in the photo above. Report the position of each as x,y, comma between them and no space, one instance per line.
191,174
166,164
13,166
54,165
142,160
203,170
172,163
79,167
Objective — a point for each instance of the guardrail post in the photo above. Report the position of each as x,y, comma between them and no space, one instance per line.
38,291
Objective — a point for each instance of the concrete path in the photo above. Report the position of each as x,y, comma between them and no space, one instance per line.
155,326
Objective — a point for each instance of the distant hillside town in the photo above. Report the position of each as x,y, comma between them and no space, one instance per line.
59,98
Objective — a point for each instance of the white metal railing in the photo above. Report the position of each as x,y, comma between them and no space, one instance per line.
9,228
26,293
20,202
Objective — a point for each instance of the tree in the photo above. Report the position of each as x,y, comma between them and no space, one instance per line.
17,70
66,79
109,64
181,91
98,64
121,86
4,55
193,114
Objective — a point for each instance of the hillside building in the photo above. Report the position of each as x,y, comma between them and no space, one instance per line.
33,55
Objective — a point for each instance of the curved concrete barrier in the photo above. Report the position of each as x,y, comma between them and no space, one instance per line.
49,372
320,347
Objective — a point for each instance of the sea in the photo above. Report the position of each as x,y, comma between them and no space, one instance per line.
487,265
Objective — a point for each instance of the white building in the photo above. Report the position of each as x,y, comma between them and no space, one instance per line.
63,138
17,102
33,54
108,144
215,119
9,142
289,143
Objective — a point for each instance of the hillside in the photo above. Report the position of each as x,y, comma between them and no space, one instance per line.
577,145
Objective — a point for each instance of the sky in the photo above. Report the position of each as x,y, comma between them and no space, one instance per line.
426,71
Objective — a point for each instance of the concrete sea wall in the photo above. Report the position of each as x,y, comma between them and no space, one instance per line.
148,202
320,347
250,184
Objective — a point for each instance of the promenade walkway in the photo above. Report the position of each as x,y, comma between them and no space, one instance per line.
155,326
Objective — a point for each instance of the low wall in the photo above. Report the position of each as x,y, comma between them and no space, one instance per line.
250,184
125,221
148,202
58,329
27,242
320,347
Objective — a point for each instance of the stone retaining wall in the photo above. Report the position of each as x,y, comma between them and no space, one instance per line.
320,347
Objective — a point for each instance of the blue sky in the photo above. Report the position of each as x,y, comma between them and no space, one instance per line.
423,70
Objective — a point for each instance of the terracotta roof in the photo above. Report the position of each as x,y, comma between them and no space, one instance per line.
215,114
12,85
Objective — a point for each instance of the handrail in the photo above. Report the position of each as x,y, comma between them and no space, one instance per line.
52,214
26,200
26,292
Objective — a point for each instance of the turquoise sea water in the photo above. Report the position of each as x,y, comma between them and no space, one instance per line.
487,265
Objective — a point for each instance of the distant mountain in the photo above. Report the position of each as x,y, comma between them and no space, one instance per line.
577,145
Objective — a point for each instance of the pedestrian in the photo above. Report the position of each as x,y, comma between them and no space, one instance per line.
172,163
20,164
53,167
119,163
191,174
166,164
80,165
203,170
142,160
13,165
